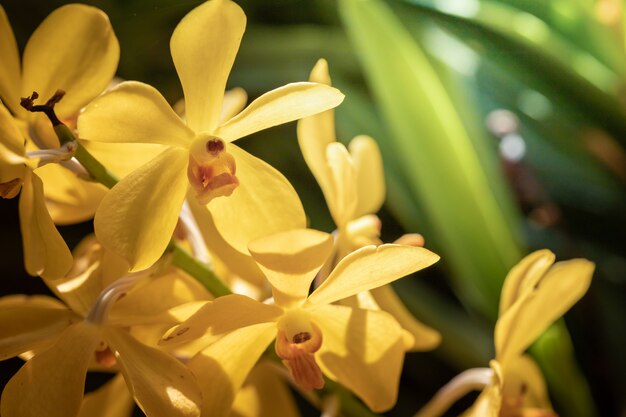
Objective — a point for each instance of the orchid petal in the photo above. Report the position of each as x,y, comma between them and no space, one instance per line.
223,315
522,323
222,367
10,77
264,394
524,276
424,337
285,104
138,215
341,195
290,261
68,199
264,203
45,251
523,375
123,158
371,267
363,350
110,400
28,322
370,176
133,112
80,59
11,149
317,131
203,46
51,384
161,385
234,102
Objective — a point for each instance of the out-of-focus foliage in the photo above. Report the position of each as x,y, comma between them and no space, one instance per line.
503,129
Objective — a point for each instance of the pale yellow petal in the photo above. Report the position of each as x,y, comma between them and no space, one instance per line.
69,199
265,394
522,323
522,375
45,251
133,112
290,261
425,338
223,315
222,367
370,176
341,193
285,104
110,400
161,385
237,263
10,77
264,203
363,350
27,323
80,59
371,267
524,276
137,217
123,158
11,148
317,131
234,102
487,404
203,46
51,384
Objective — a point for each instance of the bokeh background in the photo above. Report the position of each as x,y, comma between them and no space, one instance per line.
503,129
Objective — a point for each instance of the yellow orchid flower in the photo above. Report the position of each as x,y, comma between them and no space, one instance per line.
73,49
247,198
352,181
95,325
535,294
361,349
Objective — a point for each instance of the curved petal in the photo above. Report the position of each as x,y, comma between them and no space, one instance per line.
161,385
363,350
290,261
137,217
341,195
52,383
123,158
425,338
371,267
234,102
285,104
110,400
203,46
133,112
27,322
240,264
370,176
80,59
524,276
561,287
69,199
222,367
45,251
223,315
264,203
522,375
317,131
10,77
11,149
264,394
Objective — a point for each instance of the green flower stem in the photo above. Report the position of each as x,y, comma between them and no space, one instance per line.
185,261
181,258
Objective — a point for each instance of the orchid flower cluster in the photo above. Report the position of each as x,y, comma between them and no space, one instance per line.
201,259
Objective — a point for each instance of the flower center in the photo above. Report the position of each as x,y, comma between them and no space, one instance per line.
296,343
211,170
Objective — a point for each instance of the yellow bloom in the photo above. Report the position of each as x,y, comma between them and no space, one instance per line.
96,327
74,49
353,184
137,217
361,349
535,294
